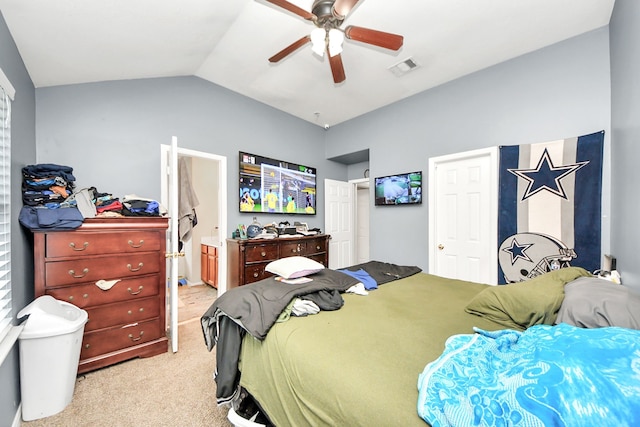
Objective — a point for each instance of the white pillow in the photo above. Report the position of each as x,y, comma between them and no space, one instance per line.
294,266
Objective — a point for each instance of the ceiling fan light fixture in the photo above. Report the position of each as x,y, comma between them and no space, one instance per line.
336,38
328,16
318,41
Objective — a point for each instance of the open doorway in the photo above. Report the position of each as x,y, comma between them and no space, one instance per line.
207,177
362,210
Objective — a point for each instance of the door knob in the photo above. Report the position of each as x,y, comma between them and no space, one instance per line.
440,247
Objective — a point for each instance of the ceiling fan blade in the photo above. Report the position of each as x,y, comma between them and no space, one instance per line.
293,9
290,49
337,69
341,8
374,37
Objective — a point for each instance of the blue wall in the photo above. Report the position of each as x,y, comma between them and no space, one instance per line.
625,125
111,132
23,152
557,92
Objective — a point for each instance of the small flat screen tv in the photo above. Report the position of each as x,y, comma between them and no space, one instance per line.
275,186
400,189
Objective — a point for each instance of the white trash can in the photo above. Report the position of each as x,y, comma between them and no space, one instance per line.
50,346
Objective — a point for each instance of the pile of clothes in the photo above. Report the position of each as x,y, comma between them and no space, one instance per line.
45,190
50,201
46,184
139,206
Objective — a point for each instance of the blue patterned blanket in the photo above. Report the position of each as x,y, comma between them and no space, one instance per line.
545,376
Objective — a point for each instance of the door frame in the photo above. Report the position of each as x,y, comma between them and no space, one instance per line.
494,156
165,176
222,201
358,184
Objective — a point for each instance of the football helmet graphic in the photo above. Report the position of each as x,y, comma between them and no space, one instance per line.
524,256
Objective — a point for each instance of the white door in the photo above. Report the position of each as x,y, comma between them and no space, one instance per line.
463,215
338,222
172,250
169,198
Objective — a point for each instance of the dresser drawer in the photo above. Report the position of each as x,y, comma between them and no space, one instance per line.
292,249
103,341
127,312
59,273
255,272
88,294
257,253
72,244
315,246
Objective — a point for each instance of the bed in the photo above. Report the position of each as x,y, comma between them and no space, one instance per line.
376,359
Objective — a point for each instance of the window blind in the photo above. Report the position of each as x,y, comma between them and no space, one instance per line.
5,213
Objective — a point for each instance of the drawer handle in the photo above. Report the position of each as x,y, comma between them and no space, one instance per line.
72,245
135,269
73,274
318,248
133,245
138,338
256,274
137,292
263,253
87,345
141,310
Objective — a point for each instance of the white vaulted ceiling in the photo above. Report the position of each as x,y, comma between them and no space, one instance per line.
228,43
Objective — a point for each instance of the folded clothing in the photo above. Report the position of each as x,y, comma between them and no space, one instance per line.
44,170
46,183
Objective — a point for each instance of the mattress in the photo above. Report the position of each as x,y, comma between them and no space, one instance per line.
358,366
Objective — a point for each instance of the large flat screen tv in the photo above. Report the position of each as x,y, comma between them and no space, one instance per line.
401,189
275,186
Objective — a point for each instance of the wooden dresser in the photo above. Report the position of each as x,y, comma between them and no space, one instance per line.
126,320
247,258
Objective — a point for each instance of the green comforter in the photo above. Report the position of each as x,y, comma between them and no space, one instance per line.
358,366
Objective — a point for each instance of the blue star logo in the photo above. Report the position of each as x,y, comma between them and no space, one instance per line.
517,251
546,176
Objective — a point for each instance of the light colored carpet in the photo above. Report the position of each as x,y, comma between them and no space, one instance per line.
165,390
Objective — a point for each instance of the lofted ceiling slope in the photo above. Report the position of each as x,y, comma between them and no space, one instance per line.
228,43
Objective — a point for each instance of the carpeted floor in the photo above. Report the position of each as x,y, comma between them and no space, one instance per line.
165,390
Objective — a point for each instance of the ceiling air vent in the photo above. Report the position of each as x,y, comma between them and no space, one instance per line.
402,68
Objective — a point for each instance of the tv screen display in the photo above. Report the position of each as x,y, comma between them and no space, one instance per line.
401,189
275,186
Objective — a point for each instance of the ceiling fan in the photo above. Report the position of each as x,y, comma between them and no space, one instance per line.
328,16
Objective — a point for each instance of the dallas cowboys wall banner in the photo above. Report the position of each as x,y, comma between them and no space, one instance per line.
549,207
